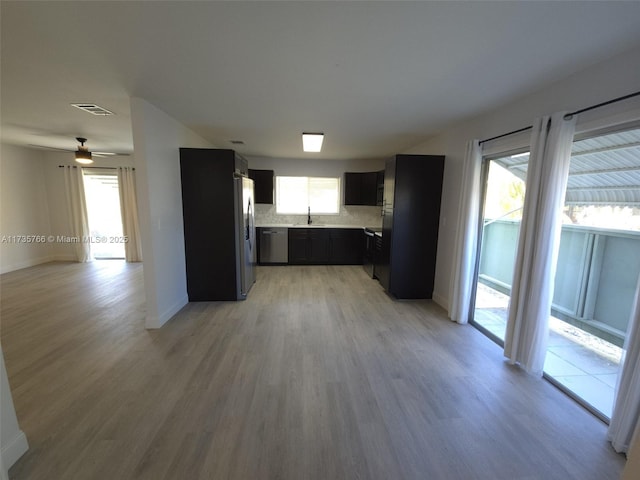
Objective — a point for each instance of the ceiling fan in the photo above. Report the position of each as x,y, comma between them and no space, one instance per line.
82,153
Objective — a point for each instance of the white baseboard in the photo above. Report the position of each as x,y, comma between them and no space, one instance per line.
64,258
152,321
442,301
14,449
25,264
32,262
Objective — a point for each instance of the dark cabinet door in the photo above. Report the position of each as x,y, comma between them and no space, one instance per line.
209,225
413,187
379,187
360,188
263,185
346,246
383,265
318,246
369,188
352,188
377,255
298,250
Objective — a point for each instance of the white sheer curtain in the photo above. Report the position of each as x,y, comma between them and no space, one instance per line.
539,241
77,209
466,246
625,419
129,210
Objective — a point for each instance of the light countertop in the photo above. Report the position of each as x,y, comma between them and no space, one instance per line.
313,225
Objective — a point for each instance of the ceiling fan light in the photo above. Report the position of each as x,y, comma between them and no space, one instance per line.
84,157
312,142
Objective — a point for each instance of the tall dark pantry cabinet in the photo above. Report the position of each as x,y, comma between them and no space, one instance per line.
219,229
411,215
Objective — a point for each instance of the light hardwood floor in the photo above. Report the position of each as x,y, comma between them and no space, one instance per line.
318,375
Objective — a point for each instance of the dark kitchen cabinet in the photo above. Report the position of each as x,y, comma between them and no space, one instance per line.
346,246
379,187
319,246
308,246
377,254
298,249
411,216
325,246
361,188
263,185
209,222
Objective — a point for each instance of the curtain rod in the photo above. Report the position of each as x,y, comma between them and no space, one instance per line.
524,129
93,168
593,107
566,117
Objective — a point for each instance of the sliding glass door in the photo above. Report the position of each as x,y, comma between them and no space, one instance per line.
504,189
598,263
103,209
598,267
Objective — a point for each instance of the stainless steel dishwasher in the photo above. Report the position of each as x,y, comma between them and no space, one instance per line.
274,245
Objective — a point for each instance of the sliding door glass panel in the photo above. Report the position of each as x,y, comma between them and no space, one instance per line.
598,267
502,214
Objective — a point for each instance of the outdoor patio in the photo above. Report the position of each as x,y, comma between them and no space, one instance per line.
582,362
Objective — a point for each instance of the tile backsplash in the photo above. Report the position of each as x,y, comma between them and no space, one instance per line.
358,216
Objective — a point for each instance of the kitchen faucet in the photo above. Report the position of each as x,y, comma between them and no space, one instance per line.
309,217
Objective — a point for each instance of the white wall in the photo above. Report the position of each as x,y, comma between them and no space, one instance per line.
602,82
632,468
57,200
33,202
23,208
157,138
13,442
355,215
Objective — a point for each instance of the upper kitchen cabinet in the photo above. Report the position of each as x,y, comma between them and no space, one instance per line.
263,185
411,215
361,188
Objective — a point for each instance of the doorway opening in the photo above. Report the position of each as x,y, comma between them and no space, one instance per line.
105,218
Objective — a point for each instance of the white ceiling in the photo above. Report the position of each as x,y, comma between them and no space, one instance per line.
376,77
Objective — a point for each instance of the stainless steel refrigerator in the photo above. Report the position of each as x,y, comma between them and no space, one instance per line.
246,235
219,229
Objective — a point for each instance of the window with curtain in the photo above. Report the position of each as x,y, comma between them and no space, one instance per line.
295,195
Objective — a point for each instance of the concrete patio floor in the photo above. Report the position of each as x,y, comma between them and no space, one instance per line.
580,361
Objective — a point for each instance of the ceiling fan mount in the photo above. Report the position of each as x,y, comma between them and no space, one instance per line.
83,155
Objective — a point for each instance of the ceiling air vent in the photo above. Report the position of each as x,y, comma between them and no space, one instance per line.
237,142
92,108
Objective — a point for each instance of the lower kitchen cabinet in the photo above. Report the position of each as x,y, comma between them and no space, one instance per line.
325,246
319,246
346,246
308,246
298,246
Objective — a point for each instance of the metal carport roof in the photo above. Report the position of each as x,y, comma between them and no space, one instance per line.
605,170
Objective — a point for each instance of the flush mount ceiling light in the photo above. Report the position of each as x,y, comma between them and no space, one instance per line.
83,155
312,142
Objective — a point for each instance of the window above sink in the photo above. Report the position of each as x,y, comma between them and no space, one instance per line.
296,195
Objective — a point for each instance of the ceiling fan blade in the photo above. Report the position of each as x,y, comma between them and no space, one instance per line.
97,154
110,154
44,147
